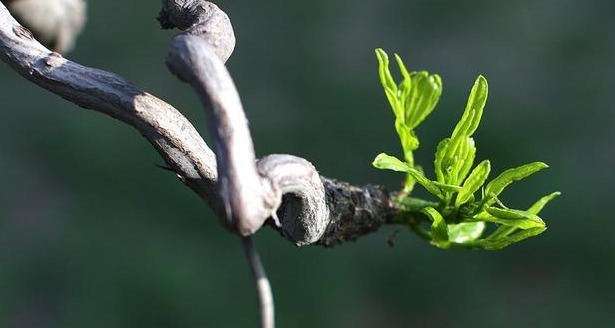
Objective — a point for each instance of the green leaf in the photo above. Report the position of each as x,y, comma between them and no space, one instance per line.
409,140
455,157
513,218
473,182
521,219
423,98
446,187
388,162
411,100
497,185
467,162
457,160
465,231
404,91
426,183
499,243
541,203
474,109
504,231
406,81
387,81
438,161
439,229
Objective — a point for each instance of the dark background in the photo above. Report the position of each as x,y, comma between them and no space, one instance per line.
93,234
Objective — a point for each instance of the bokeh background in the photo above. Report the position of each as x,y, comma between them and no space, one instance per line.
94,234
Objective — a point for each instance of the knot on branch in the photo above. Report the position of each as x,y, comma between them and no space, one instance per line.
203,19
197,57
303,213
281,186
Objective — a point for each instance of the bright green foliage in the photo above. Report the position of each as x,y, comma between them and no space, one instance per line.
506,234
465,232
457,217
455,155
388,162
508,217
474,181
412,100
495,187
541,203
439,229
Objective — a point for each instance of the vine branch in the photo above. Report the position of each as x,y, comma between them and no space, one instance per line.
312,209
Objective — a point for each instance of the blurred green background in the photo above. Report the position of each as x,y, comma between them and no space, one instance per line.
93,234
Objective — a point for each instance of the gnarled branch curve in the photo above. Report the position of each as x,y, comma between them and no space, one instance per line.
350,211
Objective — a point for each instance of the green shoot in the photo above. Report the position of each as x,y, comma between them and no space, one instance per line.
458,218
411,100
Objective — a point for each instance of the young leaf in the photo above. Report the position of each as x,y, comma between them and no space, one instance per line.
387,81
465,231
409,140
388,162
446,187
424,95
499,243
438,161
522,219
439,230
404,72
457,160
426,183
512,218
455,157
473,182
497,185
540,204
404,91
474,109
411,100
467,162
504,231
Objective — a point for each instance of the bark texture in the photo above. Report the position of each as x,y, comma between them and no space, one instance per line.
355,211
